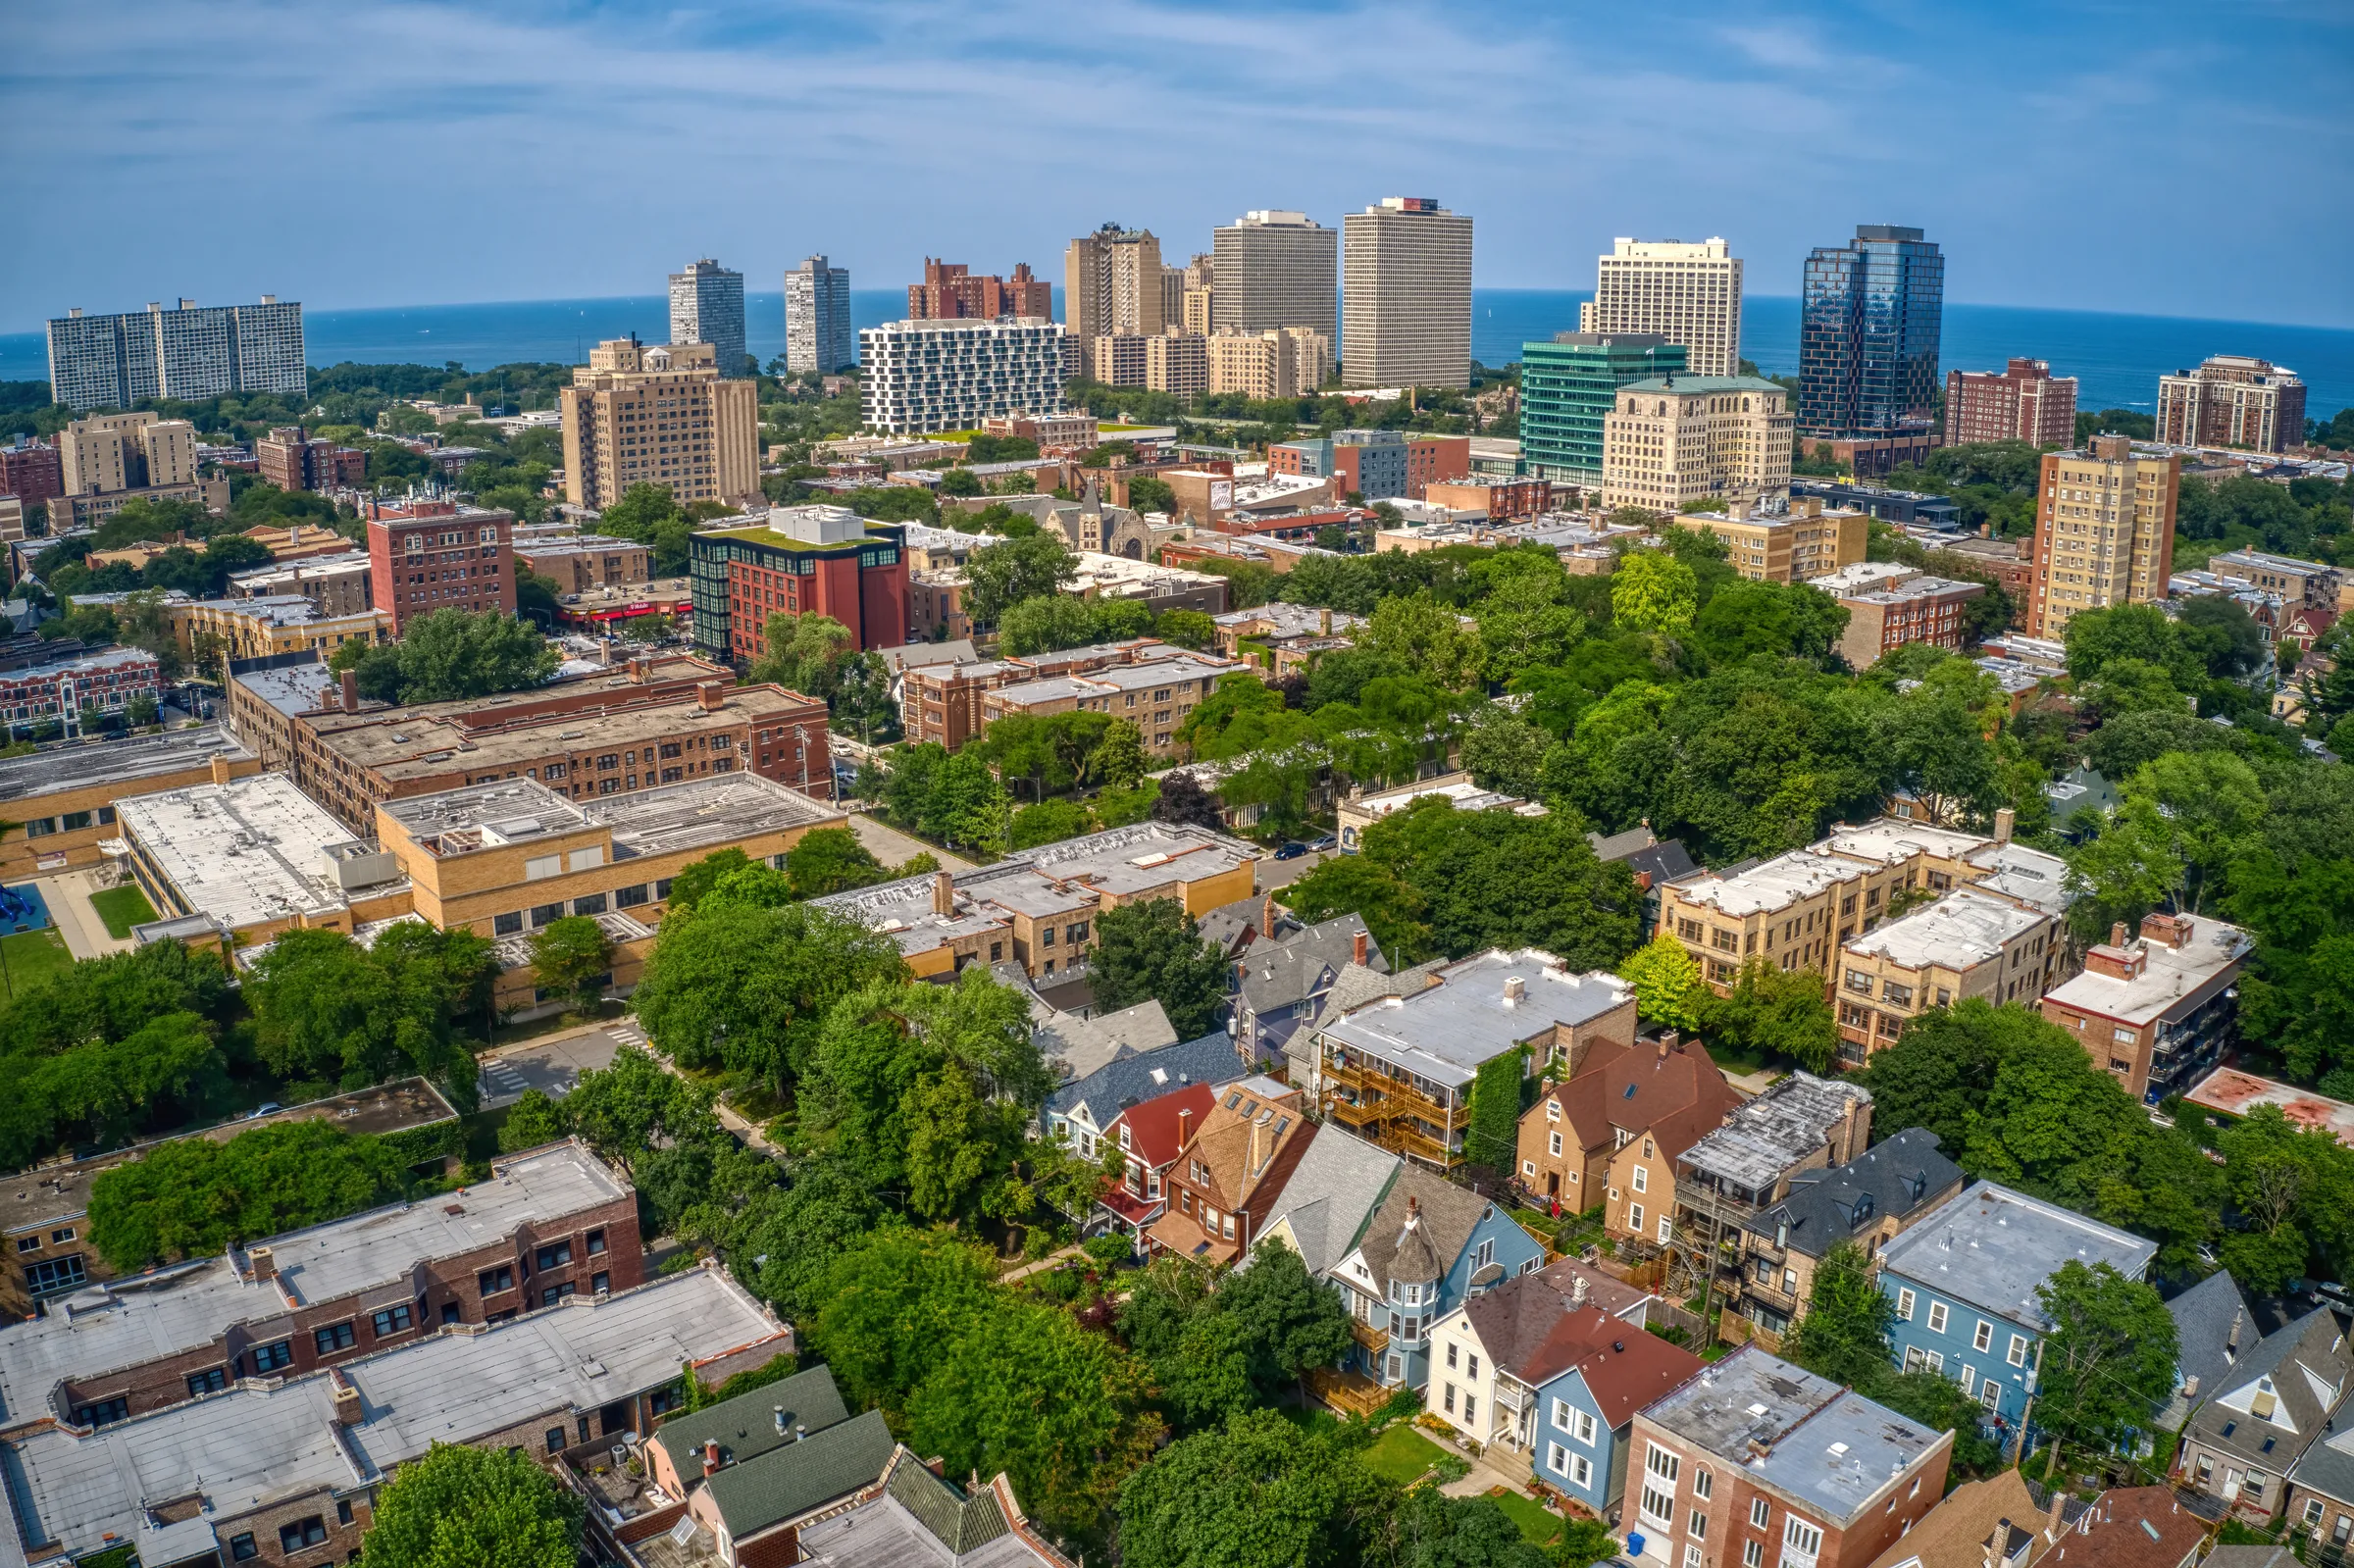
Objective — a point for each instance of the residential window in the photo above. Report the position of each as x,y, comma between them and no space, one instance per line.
1581,1470
391,1320
29,1243
1451,1353
242,1547
210,1380
334,1337
557,1292
1984,1339
2313,1513
596,1243
102,1413
506,924
1470,1408
1937,1317
1801,1542
1555,1140
545,914
1759,1512
302,1535
1699,1529
555,1439
1904,1305
1703,1484
1449,1400
343,1510
588,904
553,1257
2019,1351
629,898
1634,1217
270,1357
492,1281
600,1283
1754,1553
1642,1180
62,1236
1662,1463
1557,1458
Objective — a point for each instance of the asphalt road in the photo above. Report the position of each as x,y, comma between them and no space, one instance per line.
554,1064
894,847
1274,873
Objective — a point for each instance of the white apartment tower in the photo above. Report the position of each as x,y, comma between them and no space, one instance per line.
1273,269
190,353
817,318
1406,295
1686,293
706,306
950,375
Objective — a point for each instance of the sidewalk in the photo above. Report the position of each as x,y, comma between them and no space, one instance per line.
68,895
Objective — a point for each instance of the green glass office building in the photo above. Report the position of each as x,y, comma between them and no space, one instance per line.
1567,386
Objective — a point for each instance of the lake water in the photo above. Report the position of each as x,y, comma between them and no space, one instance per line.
2116,358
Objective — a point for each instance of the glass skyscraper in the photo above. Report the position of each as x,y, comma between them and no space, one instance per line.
1570,385
1872,311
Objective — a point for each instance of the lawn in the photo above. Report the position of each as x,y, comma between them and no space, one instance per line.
1402,1454
33,955
123,909
1538,1524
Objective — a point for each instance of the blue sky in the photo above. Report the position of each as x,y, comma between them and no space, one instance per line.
2170,159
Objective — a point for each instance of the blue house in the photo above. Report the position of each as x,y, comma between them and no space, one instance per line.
1428,1248
1550,1367
1963,1279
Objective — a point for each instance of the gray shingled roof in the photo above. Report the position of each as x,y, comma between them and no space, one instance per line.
2211,1329
747,1425
1448,1214
2308,1365
1133,1080
788,1482
1332,1195
1288,972
1827,1206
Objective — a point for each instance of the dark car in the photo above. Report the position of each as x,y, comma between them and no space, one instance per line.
1292,851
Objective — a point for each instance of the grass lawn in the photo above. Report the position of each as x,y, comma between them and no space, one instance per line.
34,955
123,909
1538,1524
1402,1454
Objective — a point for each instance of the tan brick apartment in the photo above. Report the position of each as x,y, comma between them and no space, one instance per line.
2233,400
63,801
949,703
1794,547
337,586
643,414
587,561
2309,584
262,627
653,722
1037,906
2104,531
1674,438
548,1224
1156,696
1968,943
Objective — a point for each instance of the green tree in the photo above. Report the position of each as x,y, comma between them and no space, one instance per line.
1419,635
1774,1012
632,1106
1652,591
1293,1323
1257,1491
1048,822
1187,628
1843,1334
323,1006
1352,885
2295,1187
2109,1361
999,577
1044,625
1431,1530
652,517
1668,983
1119,760
1150,950
893,1304
573,955
1505,753
791,1234
193,1197
803,653
1148,493
451,654
532,1121
460,1506
830,860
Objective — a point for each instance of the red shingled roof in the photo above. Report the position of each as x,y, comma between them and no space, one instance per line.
1152,1124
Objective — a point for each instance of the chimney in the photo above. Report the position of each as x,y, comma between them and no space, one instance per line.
2190,1387
1266,917
1516,988
2004,819
1359,947
348,692
710,1456
1185,1126
775,1413
943,894
220,770
709,695
1324,623
2117,934
2168,931
348,1410
1413,1212
640,669
265,1266
1577,1290
1667,1043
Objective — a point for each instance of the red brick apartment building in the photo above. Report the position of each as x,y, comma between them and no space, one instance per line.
1756,1463
292,461
948,291
32,471
823,560
548,1224
437,555
2025,402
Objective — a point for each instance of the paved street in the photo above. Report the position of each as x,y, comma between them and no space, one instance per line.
894,847
1274,873
554,1064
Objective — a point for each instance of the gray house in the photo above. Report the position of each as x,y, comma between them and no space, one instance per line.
1285,985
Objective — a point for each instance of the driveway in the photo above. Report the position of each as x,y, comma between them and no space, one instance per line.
1274,873
554,1064
894,847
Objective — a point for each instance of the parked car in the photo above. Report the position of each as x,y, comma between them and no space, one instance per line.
1292,851
266,1109
1327,841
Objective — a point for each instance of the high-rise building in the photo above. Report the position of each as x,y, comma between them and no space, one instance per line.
817,318
1568,387
1406,295
189,353
1112,287
30,472
1201,306
1687,293
800,560
1172,297
1291,362
920,376
948,292
1679,438
647,414
2104,531
111,452
293,461
1202,270
2027,402
437,555
1872,315
1178,363
1274,270
2233,400
1119,358
706,306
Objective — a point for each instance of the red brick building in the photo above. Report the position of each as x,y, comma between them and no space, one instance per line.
1505,498
1756,1463
1917,609
289,459
823,560
949,292
30,472
437,555
2027,402
1231,1172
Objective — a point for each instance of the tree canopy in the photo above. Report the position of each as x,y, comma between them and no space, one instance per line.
460,1506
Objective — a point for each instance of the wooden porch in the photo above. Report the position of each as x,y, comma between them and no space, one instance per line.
1348,1393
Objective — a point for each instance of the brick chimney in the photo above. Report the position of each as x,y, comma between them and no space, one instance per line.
1185,1126
943,894
642,669
1324,623
347,695
2119,958
1359,947
264,1261
710,1456
220,770
2004,819
709,695
348,1410
2168,931
1266,917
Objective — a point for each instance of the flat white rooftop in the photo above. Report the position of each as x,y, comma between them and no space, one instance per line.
1959,930
2170,976
252,850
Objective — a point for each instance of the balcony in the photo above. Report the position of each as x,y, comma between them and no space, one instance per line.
1374,1339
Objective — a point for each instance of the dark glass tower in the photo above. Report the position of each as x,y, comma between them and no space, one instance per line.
1871,314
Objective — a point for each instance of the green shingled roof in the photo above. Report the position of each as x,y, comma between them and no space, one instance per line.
747,1425
784,1482
959,1523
